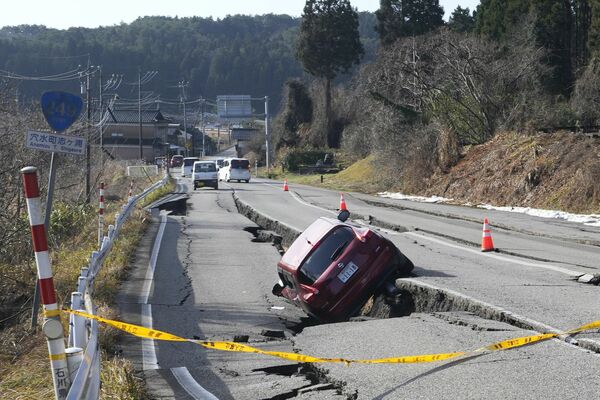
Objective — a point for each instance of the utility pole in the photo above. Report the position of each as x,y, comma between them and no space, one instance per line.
140,111
101,128
182,98
267,135
202,122
88,147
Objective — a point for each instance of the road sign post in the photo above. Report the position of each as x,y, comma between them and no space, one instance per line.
60,109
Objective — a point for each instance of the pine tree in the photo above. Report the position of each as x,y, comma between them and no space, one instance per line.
401,18
594,32
461,20
495,17
329,44
553,27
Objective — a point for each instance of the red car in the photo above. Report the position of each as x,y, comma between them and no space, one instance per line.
333,267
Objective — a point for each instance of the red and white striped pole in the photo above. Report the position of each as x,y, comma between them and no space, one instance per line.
101,215
130,190
52,326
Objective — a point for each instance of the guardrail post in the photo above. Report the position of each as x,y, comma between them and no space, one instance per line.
52,326
74,359
78,331
111,231
101,214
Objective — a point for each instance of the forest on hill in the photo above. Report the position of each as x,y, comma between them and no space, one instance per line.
436,89
235,55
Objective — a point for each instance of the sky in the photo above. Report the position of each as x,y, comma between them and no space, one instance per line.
91,14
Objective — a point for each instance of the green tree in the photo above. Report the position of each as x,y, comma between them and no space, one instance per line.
494,18
329,44
594,32
400,18
461,20
553,27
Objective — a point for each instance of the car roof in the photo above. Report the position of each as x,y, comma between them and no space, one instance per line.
205,162
298,251
191,158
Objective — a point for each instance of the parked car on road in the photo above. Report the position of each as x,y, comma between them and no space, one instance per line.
333,268
176,161
204,173
235,169
187,164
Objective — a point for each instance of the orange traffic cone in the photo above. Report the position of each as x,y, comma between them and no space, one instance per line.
342,203
285,186
487,244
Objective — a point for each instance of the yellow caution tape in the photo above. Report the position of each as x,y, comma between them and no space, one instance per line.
148,333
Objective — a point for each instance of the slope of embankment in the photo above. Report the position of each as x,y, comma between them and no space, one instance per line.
553,171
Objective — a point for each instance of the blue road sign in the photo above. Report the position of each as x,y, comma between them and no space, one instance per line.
61,109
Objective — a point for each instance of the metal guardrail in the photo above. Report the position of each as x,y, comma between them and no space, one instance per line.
83,334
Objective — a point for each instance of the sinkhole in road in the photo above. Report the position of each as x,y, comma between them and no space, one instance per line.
412,296
177,207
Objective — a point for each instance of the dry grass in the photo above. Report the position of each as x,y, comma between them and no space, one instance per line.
362,176
120,382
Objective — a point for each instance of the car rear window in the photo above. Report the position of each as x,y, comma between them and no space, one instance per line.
329,250
206,167
240,164
189,161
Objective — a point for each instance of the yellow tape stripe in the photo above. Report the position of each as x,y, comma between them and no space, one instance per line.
51,313
58,357
147,333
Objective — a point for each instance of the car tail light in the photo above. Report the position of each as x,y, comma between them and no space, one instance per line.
363,234
311,292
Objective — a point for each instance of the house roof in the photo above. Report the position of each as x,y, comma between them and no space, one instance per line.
133,117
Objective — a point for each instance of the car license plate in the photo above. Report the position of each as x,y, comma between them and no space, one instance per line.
200,184
347,272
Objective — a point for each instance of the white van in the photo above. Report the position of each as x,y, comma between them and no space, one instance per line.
235,169
204,173
187,164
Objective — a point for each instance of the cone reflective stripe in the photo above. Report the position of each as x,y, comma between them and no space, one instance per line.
101,214
487,244
285,186
52,326
342,203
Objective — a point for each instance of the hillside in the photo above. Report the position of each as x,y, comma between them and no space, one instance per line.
235,55
553,171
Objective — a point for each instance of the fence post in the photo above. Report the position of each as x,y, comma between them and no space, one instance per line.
52,326
130,190
101,215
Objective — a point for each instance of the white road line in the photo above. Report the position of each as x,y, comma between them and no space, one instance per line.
149,360
153,258
299,200
550,267
190,385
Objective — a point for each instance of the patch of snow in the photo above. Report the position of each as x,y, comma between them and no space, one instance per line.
420,199
590,220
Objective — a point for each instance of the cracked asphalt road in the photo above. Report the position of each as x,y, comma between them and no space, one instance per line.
213,282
